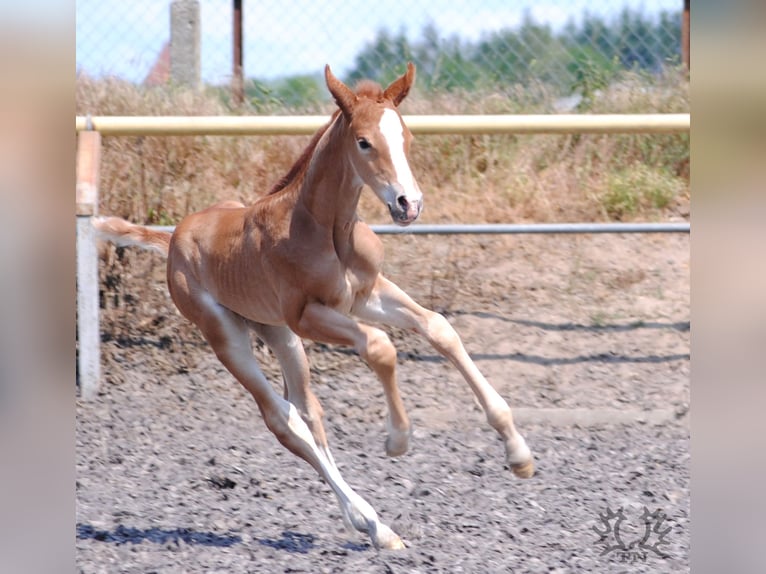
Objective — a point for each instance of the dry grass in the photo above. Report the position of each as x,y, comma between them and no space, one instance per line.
467,179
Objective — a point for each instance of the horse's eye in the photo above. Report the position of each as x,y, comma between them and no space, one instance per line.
363,144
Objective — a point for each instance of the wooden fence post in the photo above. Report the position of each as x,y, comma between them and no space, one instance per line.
88,337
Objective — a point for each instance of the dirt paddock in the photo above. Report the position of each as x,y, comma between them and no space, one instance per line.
586,336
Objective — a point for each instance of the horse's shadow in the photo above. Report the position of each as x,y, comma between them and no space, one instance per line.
291,541
128,534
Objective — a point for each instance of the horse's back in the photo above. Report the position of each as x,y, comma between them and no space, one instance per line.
208,232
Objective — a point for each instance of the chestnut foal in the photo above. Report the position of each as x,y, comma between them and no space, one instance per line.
298,263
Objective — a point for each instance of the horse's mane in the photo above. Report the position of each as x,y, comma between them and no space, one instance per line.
300,166
364,89
369,89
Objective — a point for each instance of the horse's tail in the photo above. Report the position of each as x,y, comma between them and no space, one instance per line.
124,233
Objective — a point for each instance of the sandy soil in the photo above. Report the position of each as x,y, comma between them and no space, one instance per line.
586,336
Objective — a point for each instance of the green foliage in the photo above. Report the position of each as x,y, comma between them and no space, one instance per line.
260,95
592,72
300,91
582,58
293,92
639,188
159,217
382,59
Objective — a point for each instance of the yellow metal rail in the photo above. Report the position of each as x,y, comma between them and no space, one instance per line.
419,124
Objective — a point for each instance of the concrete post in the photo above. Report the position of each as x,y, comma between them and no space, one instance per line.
185,43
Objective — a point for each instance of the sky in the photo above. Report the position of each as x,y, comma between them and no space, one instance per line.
288,37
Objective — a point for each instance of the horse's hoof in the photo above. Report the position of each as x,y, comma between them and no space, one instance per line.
524,469
387,539
397,443
395,544
391,542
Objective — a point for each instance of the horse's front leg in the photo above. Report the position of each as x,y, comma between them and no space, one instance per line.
389,305
323,324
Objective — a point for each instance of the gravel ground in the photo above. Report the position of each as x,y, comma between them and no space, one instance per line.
586,336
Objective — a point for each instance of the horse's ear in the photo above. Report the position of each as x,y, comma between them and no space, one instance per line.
344,97
399,88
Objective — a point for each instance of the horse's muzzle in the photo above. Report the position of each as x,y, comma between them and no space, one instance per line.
404,211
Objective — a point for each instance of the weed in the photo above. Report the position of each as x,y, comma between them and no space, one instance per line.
638,189
599,319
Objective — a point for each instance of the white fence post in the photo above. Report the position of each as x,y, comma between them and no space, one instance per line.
89,358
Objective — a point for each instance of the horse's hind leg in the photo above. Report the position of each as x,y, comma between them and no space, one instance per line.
288,348
229,337
389,305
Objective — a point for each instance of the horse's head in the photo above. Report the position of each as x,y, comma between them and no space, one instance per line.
378,142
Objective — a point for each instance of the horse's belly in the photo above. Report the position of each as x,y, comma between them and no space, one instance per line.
253,300
261,311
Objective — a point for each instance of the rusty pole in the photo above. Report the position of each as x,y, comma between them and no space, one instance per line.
685,36
238,82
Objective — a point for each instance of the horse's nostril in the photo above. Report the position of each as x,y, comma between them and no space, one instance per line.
402,202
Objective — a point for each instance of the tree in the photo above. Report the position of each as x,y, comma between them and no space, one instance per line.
382,59
582,57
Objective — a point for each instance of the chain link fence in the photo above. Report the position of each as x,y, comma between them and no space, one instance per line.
571,46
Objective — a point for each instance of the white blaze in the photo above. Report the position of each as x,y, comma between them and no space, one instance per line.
393,131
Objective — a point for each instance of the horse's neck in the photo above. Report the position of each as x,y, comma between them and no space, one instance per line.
330,191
